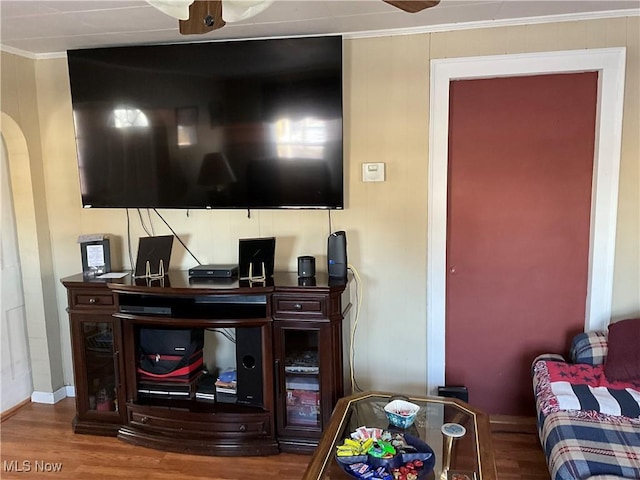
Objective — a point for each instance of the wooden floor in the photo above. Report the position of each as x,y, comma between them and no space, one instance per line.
39,437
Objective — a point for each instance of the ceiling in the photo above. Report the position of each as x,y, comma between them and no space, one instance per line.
43,28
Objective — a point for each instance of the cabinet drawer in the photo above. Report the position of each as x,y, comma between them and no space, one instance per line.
294,307
90,299
206,427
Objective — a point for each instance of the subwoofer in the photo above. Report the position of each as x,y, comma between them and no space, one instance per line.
249,366
455,391
337,255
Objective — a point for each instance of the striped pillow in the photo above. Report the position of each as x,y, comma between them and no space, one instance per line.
589,347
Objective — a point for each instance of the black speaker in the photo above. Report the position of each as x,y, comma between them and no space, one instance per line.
249,366
306,267
337,255
456,391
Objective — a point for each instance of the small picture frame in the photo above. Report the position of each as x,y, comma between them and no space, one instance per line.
154,254
96,256
256,258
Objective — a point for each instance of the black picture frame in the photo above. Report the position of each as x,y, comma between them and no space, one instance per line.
253,253
156,252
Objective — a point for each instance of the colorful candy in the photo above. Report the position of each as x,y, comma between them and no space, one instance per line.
409,471
378,444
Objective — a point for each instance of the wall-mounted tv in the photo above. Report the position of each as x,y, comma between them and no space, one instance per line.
253,124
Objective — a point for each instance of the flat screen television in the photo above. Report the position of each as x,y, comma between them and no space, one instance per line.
253,124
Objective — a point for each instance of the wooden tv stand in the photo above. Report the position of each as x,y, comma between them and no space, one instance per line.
302,329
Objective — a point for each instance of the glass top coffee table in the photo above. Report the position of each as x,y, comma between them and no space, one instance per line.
460,453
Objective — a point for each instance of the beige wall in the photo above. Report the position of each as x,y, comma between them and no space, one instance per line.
21,132
386,120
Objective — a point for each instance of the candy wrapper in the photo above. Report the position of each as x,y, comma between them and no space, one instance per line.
363,433
361,470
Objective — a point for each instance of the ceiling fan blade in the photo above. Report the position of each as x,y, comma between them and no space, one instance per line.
238,10
412,6
204,16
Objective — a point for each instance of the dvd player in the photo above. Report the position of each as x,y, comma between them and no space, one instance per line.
214,271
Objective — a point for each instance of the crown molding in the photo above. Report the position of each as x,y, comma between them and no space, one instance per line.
507,22
31,55
448,27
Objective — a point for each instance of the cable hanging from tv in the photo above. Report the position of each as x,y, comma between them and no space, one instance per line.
177,236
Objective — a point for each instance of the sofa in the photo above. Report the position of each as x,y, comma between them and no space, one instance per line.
588,408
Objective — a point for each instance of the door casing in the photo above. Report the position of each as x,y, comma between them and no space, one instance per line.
610,65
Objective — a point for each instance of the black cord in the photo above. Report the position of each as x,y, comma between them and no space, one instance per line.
153,233
144,226
176,235
224,332
129,240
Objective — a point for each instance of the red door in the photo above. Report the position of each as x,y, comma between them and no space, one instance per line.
519,200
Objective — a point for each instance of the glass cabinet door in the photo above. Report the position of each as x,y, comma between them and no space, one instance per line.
300,350
100,365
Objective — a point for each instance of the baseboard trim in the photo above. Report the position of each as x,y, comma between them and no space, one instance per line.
10,412
513,424
48,397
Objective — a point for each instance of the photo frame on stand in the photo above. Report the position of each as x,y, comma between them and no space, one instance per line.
154,254
96,254
256,258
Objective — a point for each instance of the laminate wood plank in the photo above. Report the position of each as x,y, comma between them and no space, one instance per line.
519,456
42,433
513,424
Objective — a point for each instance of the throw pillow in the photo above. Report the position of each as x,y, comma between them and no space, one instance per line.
589,348
623,360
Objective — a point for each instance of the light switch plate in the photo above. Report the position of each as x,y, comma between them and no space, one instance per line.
373,172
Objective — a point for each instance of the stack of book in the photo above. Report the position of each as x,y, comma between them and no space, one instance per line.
227,386
303,400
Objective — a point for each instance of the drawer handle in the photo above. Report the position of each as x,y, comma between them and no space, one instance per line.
243,427
93,300
144,420
297,306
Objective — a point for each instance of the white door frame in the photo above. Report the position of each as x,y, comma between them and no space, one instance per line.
610,64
